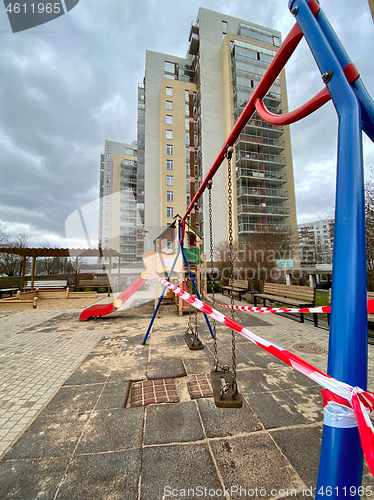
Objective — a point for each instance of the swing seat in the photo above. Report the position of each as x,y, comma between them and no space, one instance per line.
193,342
227,401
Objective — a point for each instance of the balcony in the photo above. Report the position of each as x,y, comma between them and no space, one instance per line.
260,192
264,209
249,143
246,227
261,158
263,174
194,44
194,30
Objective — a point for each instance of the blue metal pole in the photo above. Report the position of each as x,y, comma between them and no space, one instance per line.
366,102
341,455
163,291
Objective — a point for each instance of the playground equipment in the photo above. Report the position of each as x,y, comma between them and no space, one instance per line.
346,399
341,462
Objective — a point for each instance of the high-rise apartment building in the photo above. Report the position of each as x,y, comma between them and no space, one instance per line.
316,242
191,105
120,224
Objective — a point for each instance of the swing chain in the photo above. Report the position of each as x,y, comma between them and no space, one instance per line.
210,183
229,152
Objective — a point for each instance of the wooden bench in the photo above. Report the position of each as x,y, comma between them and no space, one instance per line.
239,286
57,284
8,291
95,284
292,295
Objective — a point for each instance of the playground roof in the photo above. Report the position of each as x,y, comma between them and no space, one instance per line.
172,225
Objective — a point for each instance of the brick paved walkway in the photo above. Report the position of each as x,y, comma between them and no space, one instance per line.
39,350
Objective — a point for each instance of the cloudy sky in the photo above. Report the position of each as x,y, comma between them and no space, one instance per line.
68,85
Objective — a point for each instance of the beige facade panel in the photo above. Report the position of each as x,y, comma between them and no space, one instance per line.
178,144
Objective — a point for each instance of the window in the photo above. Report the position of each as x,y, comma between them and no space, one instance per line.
196,170
109,155
223,35
169,211
187,168
188,184
187,124
107,205
108,180
169,91
169,67
169,180
107,240
107,214
108,189
169,134
187,153
169,119
108,163
109,147
169,149
187,109
169,196
224,25
187,138
188,200
129,151
169,245
169,164
186,96
107,223
108,171
169,105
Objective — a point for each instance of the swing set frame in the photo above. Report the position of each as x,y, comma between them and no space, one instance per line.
341,462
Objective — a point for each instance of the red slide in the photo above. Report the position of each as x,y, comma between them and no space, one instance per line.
104,309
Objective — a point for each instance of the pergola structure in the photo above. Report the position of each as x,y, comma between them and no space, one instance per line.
61,252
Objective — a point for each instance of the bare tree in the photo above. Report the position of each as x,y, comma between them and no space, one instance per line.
369,215
12,264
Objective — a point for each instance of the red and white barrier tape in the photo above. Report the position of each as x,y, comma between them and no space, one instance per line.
320,309
353,397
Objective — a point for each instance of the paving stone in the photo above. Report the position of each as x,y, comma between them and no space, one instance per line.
30,479
94,369
302,447
275,409
178,467
197,366
259,357
257,381
220,422
289,378
167,368
112,430
153,391
73,400
113,396
254,462
199,386
172,424
102,476
48,437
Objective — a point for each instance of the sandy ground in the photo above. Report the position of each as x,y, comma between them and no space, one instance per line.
65,303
